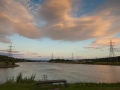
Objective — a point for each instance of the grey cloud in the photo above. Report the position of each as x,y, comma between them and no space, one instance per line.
4,39
18,54
2,53
6,51
34,53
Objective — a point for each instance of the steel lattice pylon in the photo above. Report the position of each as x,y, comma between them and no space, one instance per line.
112,53
10,50
52,56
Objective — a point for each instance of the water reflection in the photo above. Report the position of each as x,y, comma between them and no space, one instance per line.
70,72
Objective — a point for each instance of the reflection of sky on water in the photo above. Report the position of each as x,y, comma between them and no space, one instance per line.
70,72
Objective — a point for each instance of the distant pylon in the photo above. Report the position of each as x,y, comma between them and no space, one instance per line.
10,50
62,57
111,54
72,56
52,56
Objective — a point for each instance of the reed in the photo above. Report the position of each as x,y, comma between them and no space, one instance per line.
9,80
21,79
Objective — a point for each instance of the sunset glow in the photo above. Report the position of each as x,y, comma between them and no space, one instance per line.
36,28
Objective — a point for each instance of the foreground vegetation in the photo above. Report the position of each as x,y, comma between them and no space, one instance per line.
28,83
78,86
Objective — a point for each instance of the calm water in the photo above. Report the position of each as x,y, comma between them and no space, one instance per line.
71,72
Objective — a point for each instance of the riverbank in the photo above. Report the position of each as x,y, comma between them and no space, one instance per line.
29,83
10,65
89,63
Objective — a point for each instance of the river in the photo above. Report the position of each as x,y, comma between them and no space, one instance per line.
71,72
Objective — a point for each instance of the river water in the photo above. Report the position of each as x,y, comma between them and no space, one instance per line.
71,72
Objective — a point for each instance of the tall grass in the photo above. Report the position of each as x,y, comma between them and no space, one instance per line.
9,80
21,79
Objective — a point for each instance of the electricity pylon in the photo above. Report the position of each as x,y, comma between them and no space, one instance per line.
10,50
72,57
112,54
52,56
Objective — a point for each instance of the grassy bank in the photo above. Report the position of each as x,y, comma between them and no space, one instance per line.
89,63
8,65
28,83
78,86
100,63
94,61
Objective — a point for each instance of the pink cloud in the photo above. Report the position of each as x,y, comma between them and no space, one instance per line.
54,19
15,18
103,42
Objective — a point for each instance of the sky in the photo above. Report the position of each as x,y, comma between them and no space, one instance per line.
38,28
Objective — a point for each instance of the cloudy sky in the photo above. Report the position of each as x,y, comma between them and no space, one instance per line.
36,28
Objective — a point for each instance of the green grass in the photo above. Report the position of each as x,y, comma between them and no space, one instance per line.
16,86
20,79
78,86
93,86
28,83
